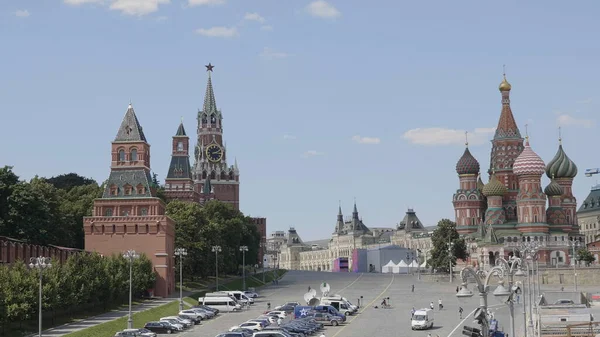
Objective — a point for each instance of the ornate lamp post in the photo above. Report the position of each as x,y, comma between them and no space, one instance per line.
574,244
262,247
529,251
244,249
216,250
40,263
450,245
511,268
418,253
482,287
130,256
180,252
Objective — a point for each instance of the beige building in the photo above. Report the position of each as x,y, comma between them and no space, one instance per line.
349,234
589,216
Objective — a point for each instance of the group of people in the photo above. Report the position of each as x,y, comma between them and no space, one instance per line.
440,305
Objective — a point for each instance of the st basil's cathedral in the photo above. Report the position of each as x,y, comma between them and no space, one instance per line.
513,208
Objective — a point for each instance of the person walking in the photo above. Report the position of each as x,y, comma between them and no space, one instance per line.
309,288
431,305
460,311
440,305
412,312
412,288
457,289
268,305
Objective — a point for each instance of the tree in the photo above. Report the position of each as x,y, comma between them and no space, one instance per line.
8,180
69,180
444,234
586,256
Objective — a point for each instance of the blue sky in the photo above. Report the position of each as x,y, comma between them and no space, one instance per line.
322,101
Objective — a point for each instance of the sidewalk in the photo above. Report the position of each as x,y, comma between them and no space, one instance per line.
112,315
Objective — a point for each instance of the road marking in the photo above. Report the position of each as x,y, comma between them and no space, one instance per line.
471,313
365,308
348,286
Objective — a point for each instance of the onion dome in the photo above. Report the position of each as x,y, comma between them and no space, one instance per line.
494,188
504,85
553,189
561,166
480,183
528,162
467,164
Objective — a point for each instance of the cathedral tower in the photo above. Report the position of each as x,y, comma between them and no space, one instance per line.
211,153
129,215
564,170
555,214
506,147
468,201
179,184
531,200
494,191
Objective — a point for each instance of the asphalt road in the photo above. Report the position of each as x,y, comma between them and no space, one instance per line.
370,321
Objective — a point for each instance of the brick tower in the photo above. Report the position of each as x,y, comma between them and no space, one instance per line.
179,184
531,200
507,145
469,202
211,154
129,215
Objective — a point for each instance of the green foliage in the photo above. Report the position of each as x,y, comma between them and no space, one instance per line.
198,228
46,211
444,234
585,256
84,281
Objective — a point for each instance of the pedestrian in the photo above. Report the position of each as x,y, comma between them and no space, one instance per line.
431,305
440,305
457,289
413,288
308,288
268,305
460,311
412,313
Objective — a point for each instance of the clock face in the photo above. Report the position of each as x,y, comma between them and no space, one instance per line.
214,153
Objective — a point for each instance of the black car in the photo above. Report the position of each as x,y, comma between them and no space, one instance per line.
160,327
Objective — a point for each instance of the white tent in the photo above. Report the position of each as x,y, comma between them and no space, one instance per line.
388,267
424,265
414,265
402,267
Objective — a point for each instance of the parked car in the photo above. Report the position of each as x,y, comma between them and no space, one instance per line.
195,319
250,294
232,334
246,331
128,333
326,319
185,322
256,326
160,327
193,313
174,323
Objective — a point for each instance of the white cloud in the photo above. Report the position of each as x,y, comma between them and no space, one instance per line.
444,136
568,120
289,137
366,140
585,101
128,7
271,54
161,18
206,2
22,13
81,2
225,32
266,28
322,9
254,17
312,153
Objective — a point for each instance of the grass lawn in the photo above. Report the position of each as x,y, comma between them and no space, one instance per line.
109,329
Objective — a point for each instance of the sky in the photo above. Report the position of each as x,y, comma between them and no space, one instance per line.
324,102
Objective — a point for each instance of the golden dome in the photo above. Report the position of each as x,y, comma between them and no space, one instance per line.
504,86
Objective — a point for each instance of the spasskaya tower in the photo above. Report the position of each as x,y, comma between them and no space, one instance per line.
213,178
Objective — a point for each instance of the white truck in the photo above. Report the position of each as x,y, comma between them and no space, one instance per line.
422,319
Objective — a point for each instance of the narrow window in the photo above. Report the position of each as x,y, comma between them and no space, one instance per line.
180,146
121,155
108,212
144,211
133,156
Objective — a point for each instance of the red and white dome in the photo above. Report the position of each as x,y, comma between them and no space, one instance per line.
528,162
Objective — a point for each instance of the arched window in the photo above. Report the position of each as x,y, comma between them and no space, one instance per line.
179,146
108,212
121,155
213,120
114,228
133,155
223,175
144,211
204,175
213,175
204,121
231,175
136,229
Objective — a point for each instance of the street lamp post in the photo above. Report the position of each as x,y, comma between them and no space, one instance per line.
464,292
419,264
244,249
180,252
262,247
450,245
130,256
574,244
529,251
512,269
216,250
40,263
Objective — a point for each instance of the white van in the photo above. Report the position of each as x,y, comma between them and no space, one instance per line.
341,306
340,297
225,304
241,297
422,319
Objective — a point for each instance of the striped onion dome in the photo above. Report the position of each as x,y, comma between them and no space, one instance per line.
528,162
561,166
494,188
553,189
467,164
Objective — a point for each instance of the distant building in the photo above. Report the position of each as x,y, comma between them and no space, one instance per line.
589,216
